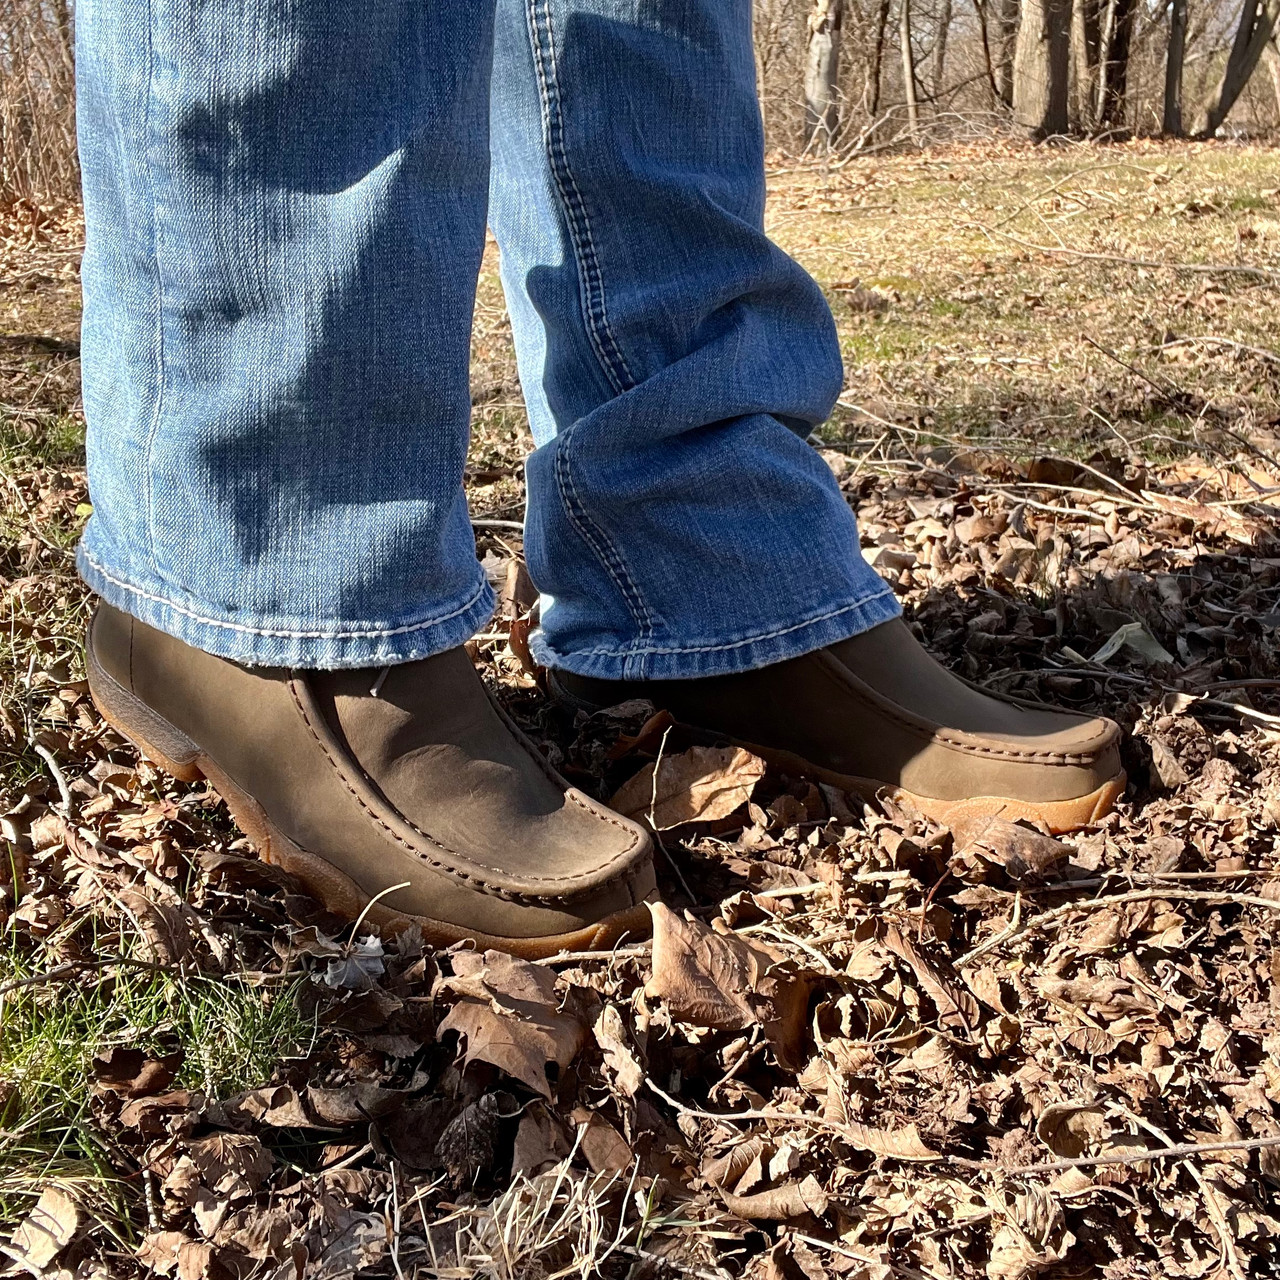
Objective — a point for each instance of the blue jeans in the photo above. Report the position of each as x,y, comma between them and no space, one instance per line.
286,204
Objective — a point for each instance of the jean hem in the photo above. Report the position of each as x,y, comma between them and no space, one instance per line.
271,642
783,640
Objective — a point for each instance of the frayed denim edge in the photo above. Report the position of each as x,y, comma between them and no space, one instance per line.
689,662
266,645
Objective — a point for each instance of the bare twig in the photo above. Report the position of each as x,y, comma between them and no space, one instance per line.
1207,268
1046,918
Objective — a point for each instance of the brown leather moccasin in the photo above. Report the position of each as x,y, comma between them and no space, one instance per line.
877,712
421,798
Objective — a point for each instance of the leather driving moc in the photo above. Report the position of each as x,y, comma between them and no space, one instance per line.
876,712
407,793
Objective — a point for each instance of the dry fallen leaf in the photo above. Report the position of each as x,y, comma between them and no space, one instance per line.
1071,1129
540,1141
168,1252
520,1026
603,1146
276,1106
901,1144
956,1007
231,1164
727,983
1021,852
703,784
45,1231
134,1073
611,1035
348,1104
791,1200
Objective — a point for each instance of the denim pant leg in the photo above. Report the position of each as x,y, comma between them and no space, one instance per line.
285,203
673,359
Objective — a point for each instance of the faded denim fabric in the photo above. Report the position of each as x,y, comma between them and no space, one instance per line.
286,202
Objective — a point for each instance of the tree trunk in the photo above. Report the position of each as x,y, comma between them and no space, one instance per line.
908,68
1257,22
940,48
1271,56
980,7
1113,63
1041,65
822,73
1008,11
1171,123
877,55
1084,64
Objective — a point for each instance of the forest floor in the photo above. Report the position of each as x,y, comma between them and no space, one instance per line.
871,1047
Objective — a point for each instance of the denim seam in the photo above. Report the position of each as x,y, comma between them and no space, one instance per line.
153,428
632,650
281,634
598,540
603,340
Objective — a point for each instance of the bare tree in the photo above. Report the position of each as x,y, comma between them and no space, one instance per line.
1257,22
1113,62
908,67
1085,40
940,48
1171,118
822,72
876,69
1008,12
1041,67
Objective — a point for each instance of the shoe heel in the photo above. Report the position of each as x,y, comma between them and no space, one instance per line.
166,747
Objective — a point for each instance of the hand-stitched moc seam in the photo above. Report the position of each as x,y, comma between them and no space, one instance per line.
472,881
1001,753
596,810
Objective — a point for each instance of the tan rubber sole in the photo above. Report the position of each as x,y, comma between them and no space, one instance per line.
335,890
1057,816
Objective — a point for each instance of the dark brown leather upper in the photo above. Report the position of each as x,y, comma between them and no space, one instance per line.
428,782
879,707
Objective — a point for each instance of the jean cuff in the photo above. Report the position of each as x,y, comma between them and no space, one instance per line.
272,642
785,638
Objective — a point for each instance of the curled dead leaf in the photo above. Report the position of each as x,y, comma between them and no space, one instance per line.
1071,1129
515,1020
703,784
133,1072
778,1204
719,980
45,1231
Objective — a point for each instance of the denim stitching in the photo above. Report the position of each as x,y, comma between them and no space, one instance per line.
594,310
603,339
597,539
153,428
632,650
283,635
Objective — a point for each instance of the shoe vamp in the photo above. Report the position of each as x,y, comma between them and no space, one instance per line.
892,663
461,778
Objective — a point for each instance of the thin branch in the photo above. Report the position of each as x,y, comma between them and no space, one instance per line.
1046,918
1208,268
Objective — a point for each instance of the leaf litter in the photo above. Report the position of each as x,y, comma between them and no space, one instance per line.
860,1044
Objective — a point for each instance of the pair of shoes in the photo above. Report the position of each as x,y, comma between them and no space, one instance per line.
408,795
